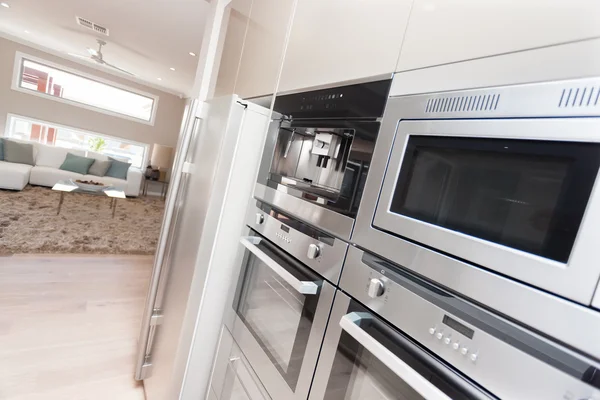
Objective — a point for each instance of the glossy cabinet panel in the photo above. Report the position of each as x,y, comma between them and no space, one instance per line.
231,45
263,48
340,40
447,31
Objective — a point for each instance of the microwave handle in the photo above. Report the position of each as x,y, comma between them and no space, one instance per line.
349,324
303,287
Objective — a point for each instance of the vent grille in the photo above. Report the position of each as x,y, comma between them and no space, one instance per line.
86,23
579,97
487,102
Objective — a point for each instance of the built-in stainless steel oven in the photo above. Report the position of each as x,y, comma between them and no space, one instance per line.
393,335
319,152
504,179
283,299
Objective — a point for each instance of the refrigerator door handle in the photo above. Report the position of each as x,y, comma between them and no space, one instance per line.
303,287
350,324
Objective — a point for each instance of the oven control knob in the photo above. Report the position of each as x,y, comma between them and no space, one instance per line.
447,340
473,357
464,351
314,251
431,330
455,345
259,219
376,288
439,335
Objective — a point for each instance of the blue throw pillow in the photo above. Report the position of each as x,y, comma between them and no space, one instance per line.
1,149
78,164
118,169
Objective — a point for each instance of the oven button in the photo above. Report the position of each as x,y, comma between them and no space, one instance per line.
314,251
376,288
259,219
464,351
455,345
431,330
439,335
473,357
447,340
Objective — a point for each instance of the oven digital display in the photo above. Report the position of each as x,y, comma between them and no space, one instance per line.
457,326
285,228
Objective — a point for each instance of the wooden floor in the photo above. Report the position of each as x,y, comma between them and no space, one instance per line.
69,326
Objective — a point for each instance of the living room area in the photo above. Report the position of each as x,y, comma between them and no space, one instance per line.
89,121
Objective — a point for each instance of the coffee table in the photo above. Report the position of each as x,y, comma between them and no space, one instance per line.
67,186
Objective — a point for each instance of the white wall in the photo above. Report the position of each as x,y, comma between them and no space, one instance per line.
166,126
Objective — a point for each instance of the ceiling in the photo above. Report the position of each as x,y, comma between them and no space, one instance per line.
146,37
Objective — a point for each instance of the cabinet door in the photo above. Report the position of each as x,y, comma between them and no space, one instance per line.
263,47
340,40
446,31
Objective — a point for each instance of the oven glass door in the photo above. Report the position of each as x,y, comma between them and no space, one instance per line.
283,307
374,361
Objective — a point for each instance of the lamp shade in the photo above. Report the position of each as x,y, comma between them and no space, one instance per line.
161,156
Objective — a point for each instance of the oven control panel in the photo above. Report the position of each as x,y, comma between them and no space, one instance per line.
506,359
324,255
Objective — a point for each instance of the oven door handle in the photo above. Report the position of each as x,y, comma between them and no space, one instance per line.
349,324
303,287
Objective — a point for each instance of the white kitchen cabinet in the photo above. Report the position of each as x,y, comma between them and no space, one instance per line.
339,40
233,378
263,47
447,31
231,45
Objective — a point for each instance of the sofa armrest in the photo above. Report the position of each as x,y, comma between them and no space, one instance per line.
134,181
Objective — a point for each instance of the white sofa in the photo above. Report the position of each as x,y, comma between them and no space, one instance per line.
47,172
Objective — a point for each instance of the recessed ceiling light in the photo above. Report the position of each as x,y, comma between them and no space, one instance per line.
5,5
172,69
192,54
160,79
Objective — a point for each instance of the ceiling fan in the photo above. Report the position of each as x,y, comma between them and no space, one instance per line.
98,57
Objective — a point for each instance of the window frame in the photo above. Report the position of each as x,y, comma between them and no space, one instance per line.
20,57
9,123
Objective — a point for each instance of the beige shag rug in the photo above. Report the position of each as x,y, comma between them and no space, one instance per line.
29,224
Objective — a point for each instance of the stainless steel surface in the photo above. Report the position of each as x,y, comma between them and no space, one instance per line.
336,84
376,288
596,300
314,251
493,352
575,280
190,125
350,323
269,375
330,260
483,286
302,287
331,222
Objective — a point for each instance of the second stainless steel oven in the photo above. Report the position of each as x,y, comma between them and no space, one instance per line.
502,178
283,299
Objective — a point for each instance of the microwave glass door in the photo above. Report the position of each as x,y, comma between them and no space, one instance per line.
526,194
278,302
358,373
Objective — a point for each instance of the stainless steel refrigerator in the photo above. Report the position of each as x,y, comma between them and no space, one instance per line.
213,177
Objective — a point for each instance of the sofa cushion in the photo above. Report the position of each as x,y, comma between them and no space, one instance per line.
17,152
48,176
99,168
118,169
1,149
97,156
51,156
78,164
14,176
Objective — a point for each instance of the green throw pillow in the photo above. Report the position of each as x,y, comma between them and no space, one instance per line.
1,149
118,169
78,164
17,152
